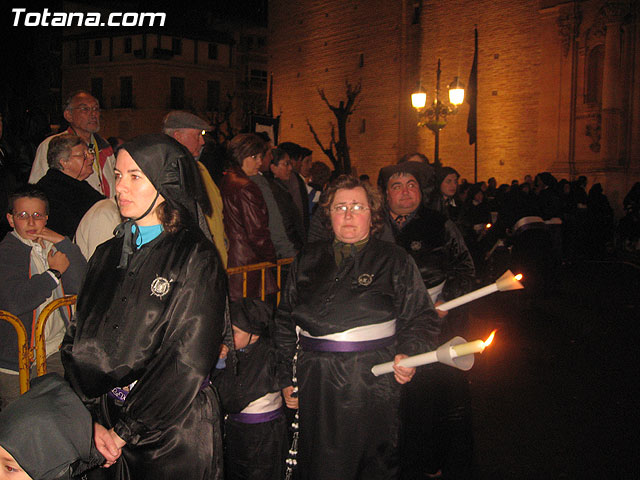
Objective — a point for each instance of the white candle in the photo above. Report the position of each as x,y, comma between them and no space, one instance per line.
458,350
414,361
477,346
508,281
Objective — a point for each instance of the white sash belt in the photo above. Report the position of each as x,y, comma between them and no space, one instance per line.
359,334
267,403
435,292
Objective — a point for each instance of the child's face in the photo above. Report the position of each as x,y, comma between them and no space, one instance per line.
9,468
28,227
240,338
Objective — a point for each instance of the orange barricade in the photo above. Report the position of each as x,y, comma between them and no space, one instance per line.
41,354
243,270
23,349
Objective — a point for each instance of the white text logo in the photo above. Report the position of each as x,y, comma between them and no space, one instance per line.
89,19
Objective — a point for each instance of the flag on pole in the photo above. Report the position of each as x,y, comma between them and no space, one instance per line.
472,96
270,99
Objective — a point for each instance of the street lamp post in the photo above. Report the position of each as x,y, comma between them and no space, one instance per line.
435,116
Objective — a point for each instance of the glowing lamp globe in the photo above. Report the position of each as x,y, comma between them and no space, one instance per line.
418,99
456,92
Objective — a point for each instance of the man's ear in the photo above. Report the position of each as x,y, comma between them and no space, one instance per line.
10,220
67,115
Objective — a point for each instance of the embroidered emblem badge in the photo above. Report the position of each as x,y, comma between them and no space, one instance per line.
416,245
160,286
365,279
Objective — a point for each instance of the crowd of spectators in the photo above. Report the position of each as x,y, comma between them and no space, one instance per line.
261,203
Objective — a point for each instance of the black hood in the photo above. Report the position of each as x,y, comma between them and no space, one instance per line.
171,169
49,431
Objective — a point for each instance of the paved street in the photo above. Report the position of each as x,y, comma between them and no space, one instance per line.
554,396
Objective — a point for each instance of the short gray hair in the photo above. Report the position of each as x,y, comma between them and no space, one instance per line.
74,94
60,149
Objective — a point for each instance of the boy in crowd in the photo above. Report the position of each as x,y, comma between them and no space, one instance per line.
38,266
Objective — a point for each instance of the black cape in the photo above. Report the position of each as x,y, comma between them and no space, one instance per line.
158,322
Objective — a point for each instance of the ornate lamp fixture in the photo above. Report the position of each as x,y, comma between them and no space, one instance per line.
434,117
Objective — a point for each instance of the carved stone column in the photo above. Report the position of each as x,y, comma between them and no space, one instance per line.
612,108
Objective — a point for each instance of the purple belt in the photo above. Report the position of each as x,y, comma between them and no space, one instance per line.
255,417
323,345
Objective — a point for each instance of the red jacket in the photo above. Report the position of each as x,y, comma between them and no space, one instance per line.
246,224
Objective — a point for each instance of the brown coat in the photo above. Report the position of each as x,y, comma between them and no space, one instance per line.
246,225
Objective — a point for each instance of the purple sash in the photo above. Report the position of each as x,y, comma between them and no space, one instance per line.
255,417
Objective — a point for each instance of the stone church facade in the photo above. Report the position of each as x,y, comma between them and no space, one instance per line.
558,82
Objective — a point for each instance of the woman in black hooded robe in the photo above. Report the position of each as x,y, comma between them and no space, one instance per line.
149,324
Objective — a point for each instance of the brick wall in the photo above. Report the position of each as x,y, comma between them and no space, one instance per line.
524,80
319,45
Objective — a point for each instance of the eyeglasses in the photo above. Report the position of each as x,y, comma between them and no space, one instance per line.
354,209
85,109
25,216
90,153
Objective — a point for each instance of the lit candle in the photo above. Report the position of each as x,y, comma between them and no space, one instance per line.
454,348
508,281
477,346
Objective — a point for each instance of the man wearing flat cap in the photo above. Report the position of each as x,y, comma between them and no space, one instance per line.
435,409
189,130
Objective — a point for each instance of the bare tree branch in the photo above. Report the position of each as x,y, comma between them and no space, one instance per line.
338,151
327,151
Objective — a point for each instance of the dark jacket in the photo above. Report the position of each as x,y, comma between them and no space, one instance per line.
298,190
246,224
21,293
69,200
437,247
287,209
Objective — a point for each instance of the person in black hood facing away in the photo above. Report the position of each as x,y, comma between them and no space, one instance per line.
46,434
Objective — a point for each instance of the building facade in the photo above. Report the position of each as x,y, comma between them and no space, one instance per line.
207,66
558,82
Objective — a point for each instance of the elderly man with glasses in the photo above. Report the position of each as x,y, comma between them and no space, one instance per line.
38,265
82,111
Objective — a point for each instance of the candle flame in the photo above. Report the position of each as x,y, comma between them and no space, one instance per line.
487,226
518,277
488,341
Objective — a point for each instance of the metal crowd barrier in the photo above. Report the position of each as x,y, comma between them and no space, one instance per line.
263,266
24,352
40,350
41,354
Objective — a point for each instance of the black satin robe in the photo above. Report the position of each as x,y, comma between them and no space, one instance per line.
252,451
168,343
348,417
436,405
